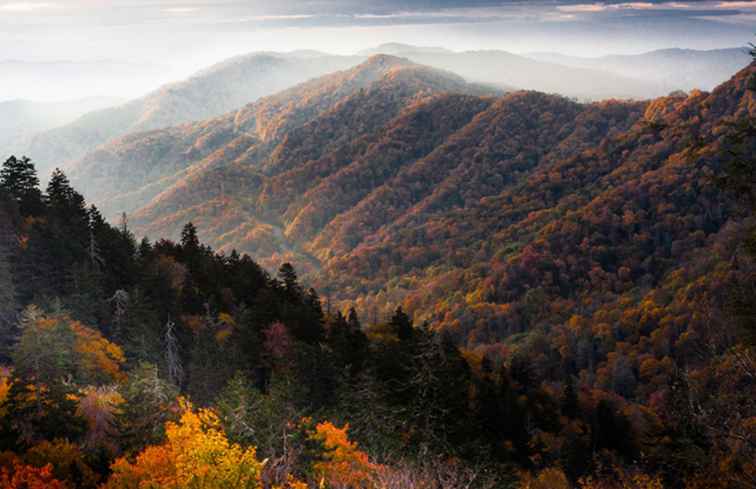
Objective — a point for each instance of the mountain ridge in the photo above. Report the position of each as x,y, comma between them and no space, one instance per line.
374,200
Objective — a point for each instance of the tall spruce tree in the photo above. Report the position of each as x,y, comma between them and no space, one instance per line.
18,177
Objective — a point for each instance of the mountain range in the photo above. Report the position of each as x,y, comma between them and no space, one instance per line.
231,84
396,183
211,92
669,69
640,76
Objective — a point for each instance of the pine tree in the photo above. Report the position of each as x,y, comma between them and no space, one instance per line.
288,277
401,324
570,405
8,298
18,177
66,235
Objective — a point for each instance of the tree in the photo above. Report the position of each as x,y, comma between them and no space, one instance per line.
8,295
196,454
149,402
401,325
66,234
288,277
100,406
67,462
341,464
54,349
189,239
22,476
19,178
173,362
44,352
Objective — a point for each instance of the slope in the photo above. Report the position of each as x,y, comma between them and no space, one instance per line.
263,142
211,92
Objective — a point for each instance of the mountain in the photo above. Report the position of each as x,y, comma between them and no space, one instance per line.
211,92
510,70
24,118
399,49
238,81
670,69
394,183
644,76
238,162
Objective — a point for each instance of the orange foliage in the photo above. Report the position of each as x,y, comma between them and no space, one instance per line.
344,464
196,454
5,386
29,477
550,478
96,354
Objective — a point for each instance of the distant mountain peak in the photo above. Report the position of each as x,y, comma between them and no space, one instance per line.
386,60
394,48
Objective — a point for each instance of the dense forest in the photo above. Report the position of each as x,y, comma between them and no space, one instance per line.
599,335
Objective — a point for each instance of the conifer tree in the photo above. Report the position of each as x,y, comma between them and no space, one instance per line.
288,277
18,177
401,324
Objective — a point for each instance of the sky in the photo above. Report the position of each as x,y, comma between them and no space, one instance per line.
126,47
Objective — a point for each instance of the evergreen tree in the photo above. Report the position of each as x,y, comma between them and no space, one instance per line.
189,239
8,296
570,406
18,177
288,278
401,324
66,234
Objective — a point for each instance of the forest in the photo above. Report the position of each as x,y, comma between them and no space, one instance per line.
613,350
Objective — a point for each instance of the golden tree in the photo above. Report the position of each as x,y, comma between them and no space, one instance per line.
195,455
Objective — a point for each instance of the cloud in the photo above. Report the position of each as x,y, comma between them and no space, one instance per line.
608,7
25,6
746,5
180,10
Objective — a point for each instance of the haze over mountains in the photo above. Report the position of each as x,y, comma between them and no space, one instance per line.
641,76
23,119
214,91
233,83
669,69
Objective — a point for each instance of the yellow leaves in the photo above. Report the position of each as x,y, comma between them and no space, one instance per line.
291,483
222,335
196,454
226,325
95,354
622,479
550,478
54,346
575,323
344,464
226,319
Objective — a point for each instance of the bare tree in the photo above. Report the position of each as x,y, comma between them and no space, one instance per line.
172,357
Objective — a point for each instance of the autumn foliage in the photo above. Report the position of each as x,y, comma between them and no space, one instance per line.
22,476
196,454
344,465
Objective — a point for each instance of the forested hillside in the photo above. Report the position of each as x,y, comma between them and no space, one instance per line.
513,290
208,93
411,193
